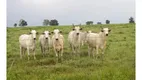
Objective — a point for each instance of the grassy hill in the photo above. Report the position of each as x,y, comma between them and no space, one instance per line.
118,64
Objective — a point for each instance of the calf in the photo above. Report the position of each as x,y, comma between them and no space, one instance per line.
58,42
97,40
75,39
44,41
28,41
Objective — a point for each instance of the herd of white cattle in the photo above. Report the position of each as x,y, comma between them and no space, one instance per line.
76,39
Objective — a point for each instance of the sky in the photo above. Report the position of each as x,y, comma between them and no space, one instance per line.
69,11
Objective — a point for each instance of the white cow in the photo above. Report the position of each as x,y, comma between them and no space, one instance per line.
74,39
44,40
28,42
83,36
97,40
58,42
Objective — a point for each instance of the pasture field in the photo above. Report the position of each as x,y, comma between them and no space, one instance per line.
118,63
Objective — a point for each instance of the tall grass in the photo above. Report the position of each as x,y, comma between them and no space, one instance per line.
118,63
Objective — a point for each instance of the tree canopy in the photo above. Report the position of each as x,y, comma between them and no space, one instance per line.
54,22
89,23
22,22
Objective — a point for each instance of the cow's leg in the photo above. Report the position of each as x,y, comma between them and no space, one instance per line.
55,52
97,51
42,51
28,51
78,52
48,50
34,54
61,52
82,43
73,49
93,52
89,49
102,55
58,57
24,49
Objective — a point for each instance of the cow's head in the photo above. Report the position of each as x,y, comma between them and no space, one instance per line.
33,33
77,29
106,31
57,33
46,34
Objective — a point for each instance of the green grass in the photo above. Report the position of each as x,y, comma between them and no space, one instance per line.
118,64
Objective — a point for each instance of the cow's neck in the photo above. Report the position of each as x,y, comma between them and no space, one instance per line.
32,41
77,38
102,36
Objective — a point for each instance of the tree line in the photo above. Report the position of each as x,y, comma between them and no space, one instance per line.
131,20
55,22
91,22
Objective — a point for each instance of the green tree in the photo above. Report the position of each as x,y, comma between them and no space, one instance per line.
15,24
107,21
89,23
46,22
22,23
54,22
131,20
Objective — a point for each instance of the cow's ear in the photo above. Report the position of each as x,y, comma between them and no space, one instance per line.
73,29
37,33
52,32
102,30
60,31
109,30
80,28
30,33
